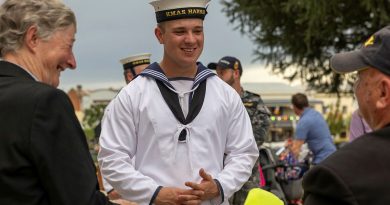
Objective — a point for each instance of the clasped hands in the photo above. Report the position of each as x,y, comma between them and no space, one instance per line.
205,190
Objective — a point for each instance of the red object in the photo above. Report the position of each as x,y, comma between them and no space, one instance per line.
262,179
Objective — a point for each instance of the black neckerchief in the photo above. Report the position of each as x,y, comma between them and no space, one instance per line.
172,99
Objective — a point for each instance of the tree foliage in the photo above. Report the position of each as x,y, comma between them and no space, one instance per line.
297,37
93,115
336,121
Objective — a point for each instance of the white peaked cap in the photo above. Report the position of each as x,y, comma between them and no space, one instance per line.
167,10
162,5
135,60
137,57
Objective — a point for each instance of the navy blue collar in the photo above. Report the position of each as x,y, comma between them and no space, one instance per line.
154,71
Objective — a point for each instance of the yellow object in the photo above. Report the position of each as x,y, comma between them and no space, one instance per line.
257,196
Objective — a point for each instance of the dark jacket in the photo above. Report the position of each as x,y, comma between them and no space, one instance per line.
357,174
44,157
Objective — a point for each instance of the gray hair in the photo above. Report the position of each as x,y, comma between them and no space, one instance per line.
17,16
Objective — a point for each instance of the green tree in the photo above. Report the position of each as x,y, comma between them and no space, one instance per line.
297,37
335,119
93,115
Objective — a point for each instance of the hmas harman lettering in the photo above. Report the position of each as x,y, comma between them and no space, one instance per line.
196,11
176,13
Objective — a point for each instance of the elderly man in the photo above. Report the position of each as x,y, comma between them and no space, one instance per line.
178,120
44,157
358,173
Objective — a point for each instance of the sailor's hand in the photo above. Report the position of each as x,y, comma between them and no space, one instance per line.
207,185
123,202
176,196
113,195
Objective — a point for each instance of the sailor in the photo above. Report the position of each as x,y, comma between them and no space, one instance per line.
188,130
134,64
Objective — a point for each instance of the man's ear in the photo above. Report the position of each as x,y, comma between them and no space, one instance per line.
158,33
129,76
31,39
383,101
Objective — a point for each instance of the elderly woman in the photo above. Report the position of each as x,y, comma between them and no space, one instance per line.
44,158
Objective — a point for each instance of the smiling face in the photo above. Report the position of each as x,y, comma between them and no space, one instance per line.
55,54
183,41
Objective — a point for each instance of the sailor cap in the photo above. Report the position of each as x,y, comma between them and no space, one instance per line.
135,60
167,10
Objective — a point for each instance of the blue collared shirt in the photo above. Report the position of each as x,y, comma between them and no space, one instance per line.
313,129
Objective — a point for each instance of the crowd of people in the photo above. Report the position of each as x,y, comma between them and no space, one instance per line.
177,132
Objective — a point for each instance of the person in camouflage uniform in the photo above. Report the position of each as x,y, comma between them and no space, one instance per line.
229,69
259,115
